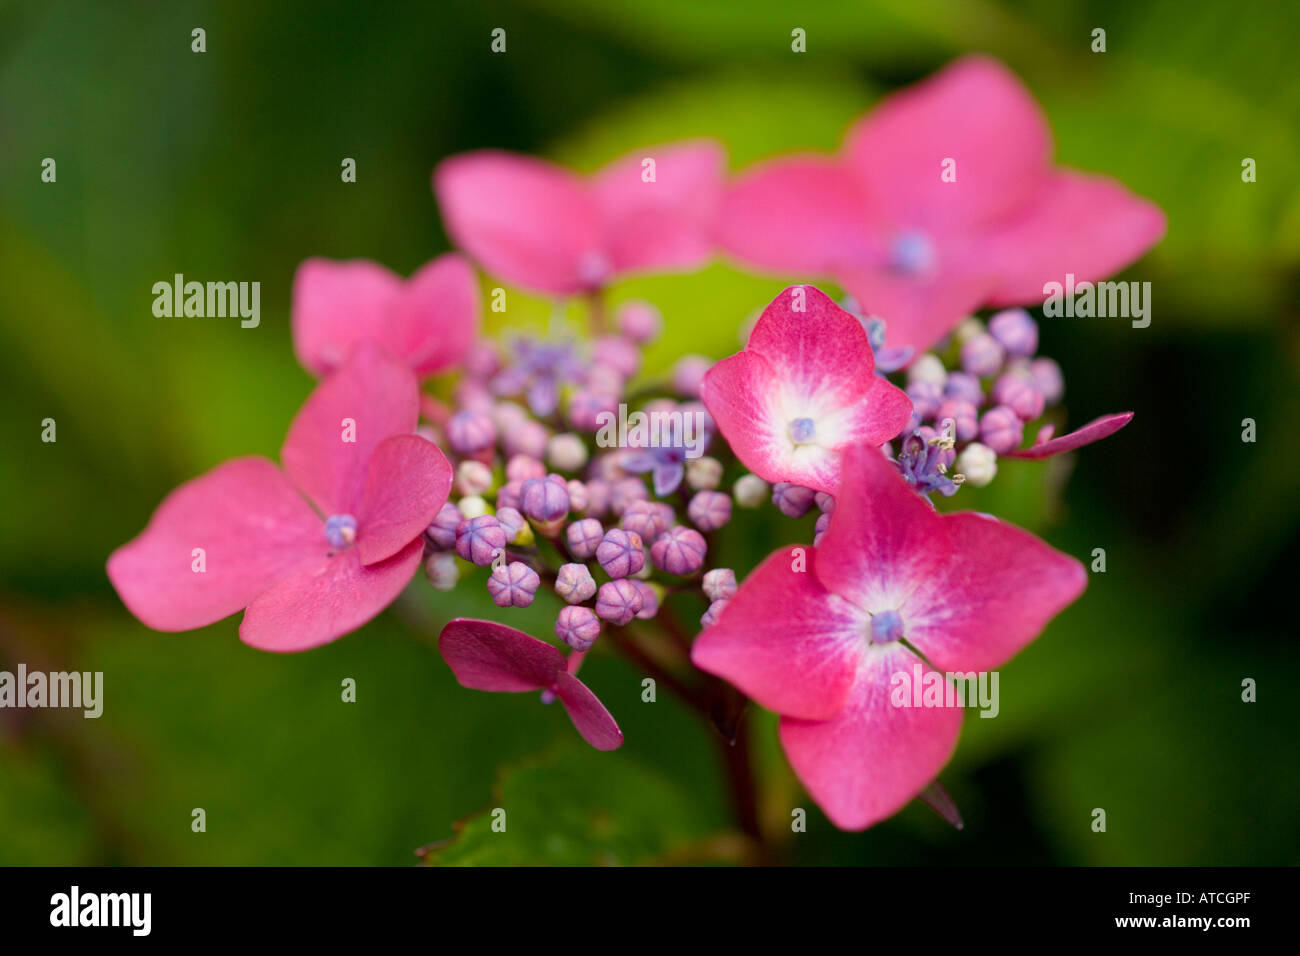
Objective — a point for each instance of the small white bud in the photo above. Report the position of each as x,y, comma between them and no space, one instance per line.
979,463
968,329
472,506
473,477
750,491
566,452
928,368
703,474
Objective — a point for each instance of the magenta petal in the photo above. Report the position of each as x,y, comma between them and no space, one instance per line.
800,215
1088,226
871,759
975,112
485,655
994,594
883,538
253,527
435,319
373,396
523,219
667,223
317,604
336,305
742,395
1095,430
821,351
785,640
406,484
588,714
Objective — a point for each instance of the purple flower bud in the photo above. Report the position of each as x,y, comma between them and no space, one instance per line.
479,539
577,494
586,407
963,414
618,353
441,570
709,510
825,502
625,491
529,439
574,583
1018,392
1015,331
926,397
507,416
511,520
793,501
646,519
1001,429
1048,378
470,432
819,529
719,584
442,530
964,387
711,615
688,373
649,599
566,452
679,550
544,500
982,355
621,553
598,495
522,467
508,494
584,537
513,584
618,601
578,627
640,321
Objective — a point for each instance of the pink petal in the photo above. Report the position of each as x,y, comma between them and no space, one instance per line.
996,591
524,220
975,112
588,714
436,318
667,223
742,394
407,483
786,641
883,538
322,602
918,311
485,655
377,393
871,759
1095,430
1090,226
336,305
803,214
253,527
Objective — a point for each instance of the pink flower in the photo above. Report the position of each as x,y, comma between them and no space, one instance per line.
1045,446
539,225
803,389
429,321
313,550
485,655
922,252
820,647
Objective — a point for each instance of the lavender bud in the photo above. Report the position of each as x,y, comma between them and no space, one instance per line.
646,519
598,495
513,584
711,615
982,355
793,501
649,599
522,467
964,387
530,439
926,398
688,373
825,502
1047,376
578,627
618,602
479,539
441,570
544,500
508,494
620,553
625,491
679,550
1001,429
640,321
1016,331
1019,393
512,521
719,584
964,415
442,530
574,583
709,510
819,529
470,432
586,407
584,537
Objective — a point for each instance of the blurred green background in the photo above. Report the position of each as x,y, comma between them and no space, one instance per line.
225,165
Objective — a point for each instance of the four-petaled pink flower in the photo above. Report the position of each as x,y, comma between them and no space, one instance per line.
943,199
313,550
803,389
485,655
545,228
429,321
821,646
